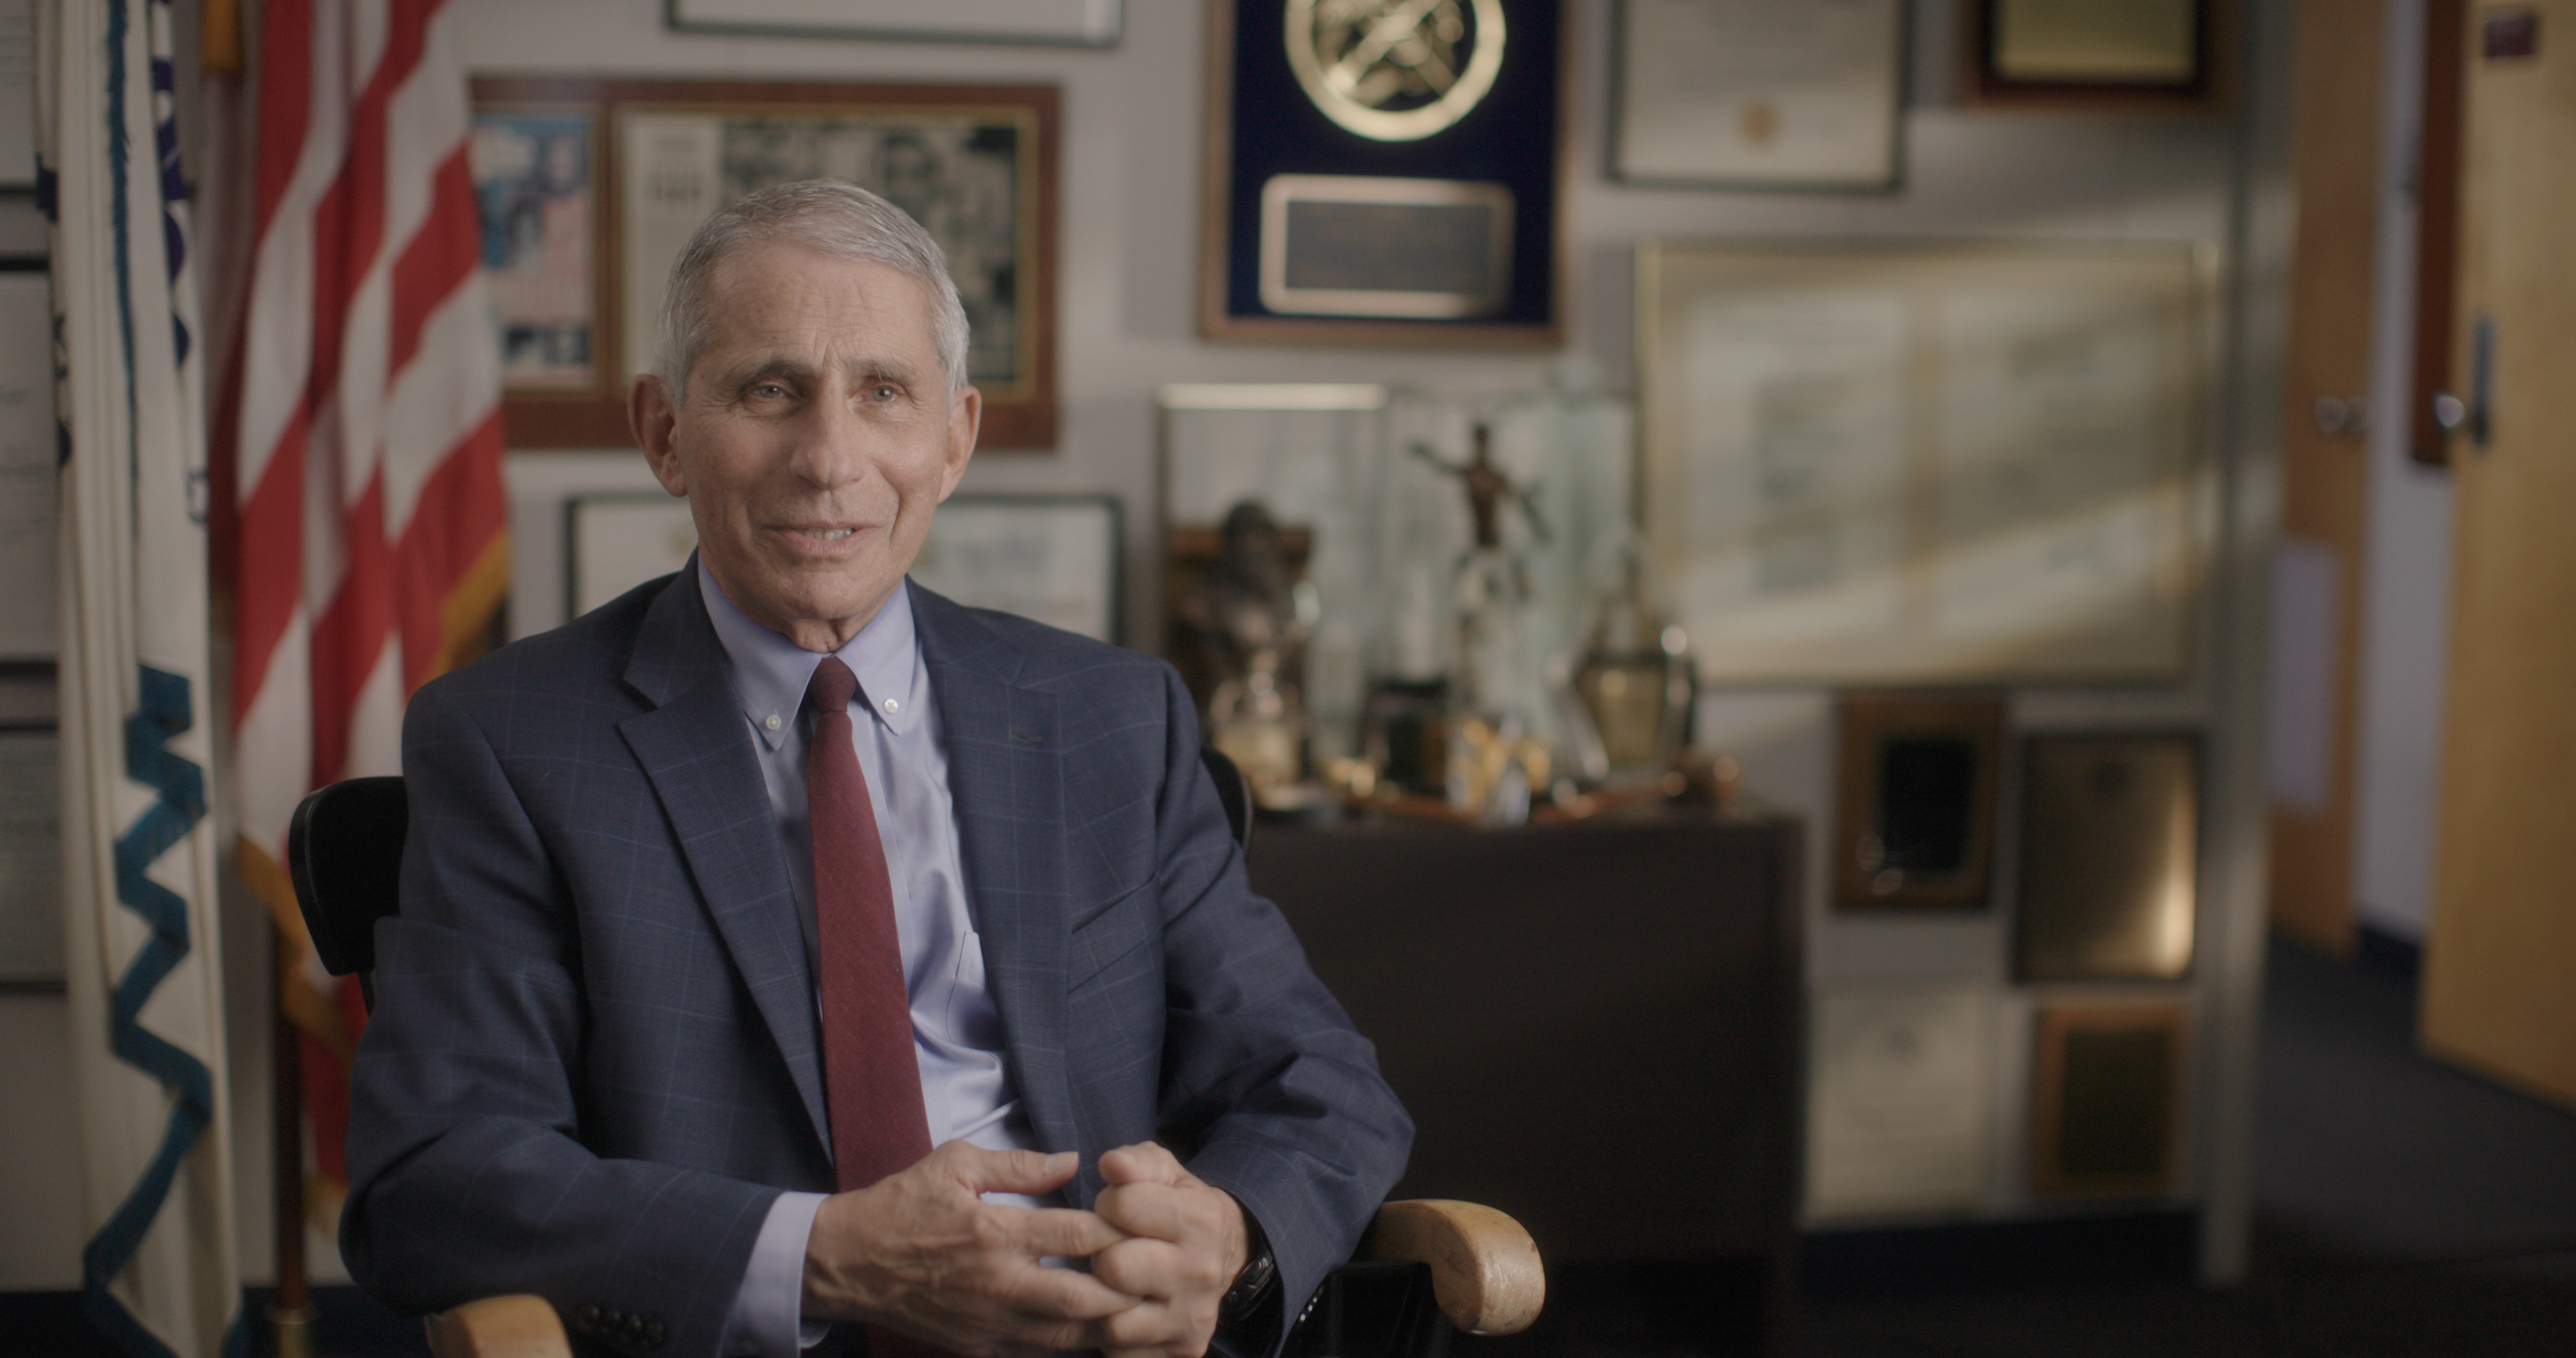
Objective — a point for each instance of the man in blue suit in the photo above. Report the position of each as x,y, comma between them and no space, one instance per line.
609,1062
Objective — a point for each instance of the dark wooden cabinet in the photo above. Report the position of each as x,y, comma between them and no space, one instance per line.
1595,1026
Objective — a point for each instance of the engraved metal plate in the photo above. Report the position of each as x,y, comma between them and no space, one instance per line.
1358,245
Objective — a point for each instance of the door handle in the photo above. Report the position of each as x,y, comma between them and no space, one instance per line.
2341,415
2470,416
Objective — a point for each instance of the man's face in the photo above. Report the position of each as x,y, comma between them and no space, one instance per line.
813,439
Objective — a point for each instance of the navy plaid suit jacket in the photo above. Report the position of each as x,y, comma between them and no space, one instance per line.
593,1061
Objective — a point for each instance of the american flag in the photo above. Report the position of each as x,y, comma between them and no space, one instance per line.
366,437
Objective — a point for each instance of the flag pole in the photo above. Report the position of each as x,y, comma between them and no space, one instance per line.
290,1314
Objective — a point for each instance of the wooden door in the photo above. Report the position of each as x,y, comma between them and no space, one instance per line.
2325,467
2500,964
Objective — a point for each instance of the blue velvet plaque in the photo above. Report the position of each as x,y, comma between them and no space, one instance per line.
1384,170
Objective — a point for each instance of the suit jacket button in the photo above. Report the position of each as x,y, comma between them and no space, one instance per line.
586,1320
654,1334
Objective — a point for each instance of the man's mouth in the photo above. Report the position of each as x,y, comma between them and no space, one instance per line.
827,534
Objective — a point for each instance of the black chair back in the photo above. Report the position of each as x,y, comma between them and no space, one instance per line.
1232,790
344,853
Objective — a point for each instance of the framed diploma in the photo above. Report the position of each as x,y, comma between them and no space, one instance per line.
1757,94
1054,23
1892,464
1900,1100
2141,54
1382,171
590,187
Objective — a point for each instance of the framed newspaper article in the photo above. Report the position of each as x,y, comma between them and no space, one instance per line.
589,188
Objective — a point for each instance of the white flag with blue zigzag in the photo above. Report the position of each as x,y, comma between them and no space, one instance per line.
145,981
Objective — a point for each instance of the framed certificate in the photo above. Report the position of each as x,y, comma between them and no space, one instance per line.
1757,94
591,187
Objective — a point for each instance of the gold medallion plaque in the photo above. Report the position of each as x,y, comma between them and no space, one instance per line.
1395,70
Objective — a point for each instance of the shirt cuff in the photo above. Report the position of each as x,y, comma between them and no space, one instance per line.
767,1320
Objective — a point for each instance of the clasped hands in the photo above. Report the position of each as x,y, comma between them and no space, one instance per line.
922,1252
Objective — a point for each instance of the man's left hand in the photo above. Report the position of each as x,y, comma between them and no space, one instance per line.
1187,1243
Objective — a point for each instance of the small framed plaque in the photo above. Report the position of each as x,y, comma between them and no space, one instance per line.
2109,858
2139,54
1914,823
1382,171
2106,1101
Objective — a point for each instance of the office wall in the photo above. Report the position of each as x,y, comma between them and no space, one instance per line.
1129,242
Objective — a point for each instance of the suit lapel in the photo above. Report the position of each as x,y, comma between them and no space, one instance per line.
1005,780
694,748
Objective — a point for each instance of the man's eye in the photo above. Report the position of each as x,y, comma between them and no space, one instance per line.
768,391
883,391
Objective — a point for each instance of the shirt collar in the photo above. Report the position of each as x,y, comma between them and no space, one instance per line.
771,672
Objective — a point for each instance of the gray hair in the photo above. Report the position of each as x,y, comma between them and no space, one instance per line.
841,220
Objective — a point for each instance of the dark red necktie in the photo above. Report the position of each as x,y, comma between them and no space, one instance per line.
871,1079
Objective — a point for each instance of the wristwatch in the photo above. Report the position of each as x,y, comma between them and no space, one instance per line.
1251,1301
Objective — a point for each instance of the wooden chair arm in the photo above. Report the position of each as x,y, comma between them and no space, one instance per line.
522,1325
1484,1268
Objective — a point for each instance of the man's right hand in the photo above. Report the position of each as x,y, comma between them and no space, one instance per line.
921,1251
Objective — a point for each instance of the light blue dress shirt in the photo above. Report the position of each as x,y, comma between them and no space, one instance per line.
957,1033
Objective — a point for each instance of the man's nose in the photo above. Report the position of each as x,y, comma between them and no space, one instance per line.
832,444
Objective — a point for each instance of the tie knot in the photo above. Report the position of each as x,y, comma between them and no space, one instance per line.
831,686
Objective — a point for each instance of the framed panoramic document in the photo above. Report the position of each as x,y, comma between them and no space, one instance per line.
1054,558
1914,803
1756,94
1876,464
2136,54
590,187
1382,172
1063,23
2106,1099
30,472
2109,858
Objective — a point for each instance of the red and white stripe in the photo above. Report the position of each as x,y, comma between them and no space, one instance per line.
369,425
368,508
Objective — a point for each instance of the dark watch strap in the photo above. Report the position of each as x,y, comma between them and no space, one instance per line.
1259,1278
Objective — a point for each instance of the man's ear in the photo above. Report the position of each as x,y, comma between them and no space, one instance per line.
965,419
656,423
